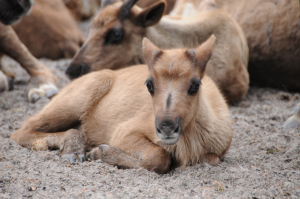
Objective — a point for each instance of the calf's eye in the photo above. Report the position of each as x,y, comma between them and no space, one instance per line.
150,87
195,84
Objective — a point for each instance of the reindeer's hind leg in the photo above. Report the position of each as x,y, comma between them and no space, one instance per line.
51,127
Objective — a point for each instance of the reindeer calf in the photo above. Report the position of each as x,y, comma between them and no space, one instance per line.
183,116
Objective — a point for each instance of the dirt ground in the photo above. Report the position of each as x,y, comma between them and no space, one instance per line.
263,160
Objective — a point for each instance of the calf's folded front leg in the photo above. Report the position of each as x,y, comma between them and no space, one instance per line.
132,152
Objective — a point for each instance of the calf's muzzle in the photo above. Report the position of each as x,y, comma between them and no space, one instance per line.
168,130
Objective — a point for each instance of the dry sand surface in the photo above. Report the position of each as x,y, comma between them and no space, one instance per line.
263,160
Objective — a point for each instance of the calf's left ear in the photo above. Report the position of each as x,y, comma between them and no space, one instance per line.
201,55
151,52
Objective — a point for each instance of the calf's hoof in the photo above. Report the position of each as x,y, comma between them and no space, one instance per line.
72,146
95,154
211,159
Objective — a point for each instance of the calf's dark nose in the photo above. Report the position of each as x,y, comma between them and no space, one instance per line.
167,127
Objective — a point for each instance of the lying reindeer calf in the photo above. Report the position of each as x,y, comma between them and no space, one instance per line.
184,119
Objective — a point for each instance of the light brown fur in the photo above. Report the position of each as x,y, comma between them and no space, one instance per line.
113,109
42,82
273,33
227,67
49,30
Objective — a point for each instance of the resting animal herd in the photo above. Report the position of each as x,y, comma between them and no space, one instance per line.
185,118
116,34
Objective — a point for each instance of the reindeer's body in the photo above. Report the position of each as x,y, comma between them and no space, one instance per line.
42,82
114,108
273,33
227,67
49,30
229,61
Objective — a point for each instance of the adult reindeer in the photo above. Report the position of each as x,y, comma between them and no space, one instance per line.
116,33
272,29
183,118
50,31
42,82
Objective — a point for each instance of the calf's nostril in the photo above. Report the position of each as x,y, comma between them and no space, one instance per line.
177,129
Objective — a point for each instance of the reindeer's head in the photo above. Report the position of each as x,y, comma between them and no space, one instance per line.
13,10
175,86
115,37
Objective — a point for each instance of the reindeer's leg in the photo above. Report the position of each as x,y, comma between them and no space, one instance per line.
51,127
131,149
211,159
6,82
42,81
6,79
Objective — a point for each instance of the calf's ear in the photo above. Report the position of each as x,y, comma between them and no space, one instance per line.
203,54
151,52
151,15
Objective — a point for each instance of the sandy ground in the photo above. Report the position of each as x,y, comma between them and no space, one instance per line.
263,160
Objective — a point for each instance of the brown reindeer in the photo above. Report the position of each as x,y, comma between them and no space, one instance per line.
42,82
50,30
116,33
272,29
182,118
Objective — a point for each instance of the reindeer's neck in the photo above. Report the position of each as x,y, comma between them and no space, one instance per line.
170,33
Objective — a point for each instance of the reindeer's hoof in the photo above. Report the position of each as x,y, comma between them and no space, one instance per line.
211,159
95,154
6,83
73,146
106,149
39,145
34,97
109,152
82,158
45,90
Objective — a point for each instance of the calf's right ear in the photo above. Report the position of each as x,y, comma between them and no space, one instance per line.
203,54
151,53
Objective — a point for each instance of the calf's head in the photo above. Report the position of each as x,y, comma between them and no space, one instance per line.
13,10
115,37
175,86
